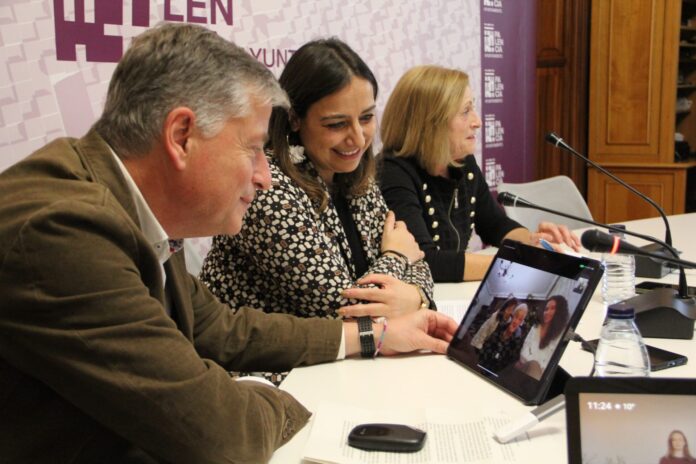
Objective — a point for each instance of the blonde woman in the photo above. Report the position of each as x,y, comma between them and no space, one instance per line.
430,178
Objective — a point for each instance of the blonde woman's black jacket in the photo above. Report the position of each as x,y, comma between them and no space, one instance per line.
442,213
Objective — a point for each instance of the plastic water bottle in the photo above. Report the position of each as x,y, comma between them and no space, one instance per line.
619,280
621,351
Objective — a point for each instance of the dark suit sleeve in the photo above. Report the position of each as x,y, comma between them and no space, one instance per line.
80,314
402,197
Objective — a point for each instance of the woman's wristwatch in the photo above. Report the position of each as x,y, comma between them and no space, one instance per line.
425,301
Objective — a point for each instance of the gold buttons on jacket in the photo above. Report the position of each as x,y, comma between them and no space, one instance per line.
431,211
425,187
470,176
473,200
472,214
428,198
436,238
435,224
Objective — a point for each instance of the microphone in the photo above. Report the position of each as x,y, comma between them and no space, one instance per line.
662,312
659,313
509,199
557,141
597,241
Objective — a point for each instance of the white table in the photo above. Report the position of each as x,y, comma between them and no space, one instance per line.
431,381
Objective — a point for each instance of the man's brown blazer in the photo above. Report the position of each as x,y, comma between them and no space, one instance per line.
92,369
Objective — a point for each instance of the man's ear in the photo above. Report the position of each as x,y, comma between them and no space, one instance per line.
177,135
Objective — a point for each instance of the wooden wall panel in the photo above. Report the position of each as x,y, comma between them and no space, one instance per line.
633,76
551,33
549,94
633,97
562,64
632,81
612,203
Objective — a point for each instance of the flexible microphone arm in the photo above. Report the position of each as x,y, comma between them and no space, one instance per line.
595,240
557,141
508,199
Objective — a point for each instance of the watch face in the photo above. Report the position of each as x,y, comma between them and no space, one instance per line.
425,301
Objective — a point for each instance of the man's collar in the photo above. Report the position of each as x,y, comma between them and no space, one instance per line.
150,226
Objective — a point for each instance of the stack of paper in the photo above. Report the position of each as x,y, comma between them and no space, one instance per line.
453,436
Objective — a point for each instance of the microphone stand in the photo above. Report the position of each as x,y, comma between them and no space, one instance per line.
660,312
508,199
557,141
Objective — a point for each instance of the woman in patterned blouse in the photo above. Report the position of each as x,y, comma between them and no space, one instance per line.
320,242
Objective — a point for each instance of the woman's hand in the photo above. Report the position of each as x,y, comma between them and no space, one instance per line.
387,296
556,234
396,236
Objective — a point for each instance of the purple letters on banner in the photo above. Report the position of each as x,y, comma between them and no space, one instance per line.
507,90
99,46
104,48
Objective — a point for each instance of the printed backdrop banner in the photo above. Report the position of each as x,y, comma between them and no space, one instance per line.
58,56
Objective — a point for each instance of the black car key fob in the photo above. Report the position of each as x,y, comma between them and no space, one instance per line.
387,437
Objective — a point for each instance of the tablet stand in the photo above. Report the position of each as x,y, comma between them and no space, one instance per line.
557,386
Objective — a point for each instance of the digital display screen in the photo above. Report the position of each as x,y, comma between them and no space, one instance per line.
512,333
636,428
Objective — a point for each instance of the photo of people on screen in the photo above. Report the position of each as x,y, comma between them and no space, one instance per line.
518,318
502,316
543,337
502,348
677,449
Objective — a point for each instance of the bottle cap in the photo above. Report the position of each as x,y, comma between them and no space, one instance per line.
621,311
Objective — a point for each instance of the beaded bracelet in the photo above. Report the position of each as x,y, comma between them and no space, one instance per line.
407,262
381,337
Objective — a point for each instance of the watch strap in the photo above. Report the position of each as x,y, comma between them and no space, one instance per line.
367,339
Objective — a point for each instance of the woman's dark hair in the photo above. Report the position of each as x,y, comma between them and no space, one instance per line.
507,302
559,321
318,69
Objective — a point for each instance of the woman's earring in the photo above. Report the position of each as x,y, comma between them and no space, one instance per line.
296,151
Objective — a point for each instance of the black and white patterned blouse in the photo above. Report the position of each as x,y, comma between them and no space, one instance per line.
288,258
497,352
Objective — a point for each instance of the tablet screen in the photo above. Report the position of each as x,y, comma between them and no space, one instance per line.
513,331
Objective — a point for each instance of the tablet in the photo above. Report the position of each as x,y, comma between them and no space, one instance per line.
513,333
631,420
